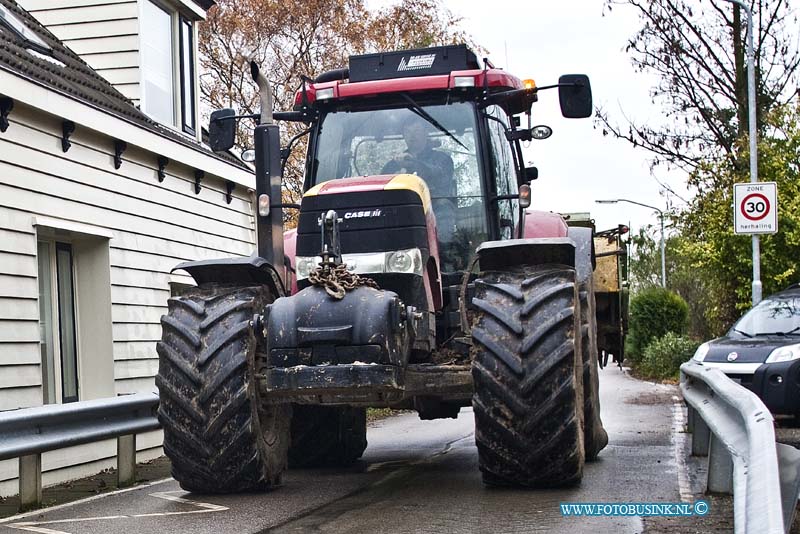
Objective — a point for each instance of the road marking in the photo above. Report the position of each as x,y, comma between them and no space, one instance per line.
40,511
678,441
204,508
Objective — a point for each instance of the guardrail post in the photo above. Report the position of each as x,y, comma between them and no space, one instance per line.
700,437
789,473
720,467
30,482
691,415
126,460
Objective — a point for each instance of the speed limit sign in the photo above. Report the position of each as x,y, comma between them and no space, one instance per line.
755,208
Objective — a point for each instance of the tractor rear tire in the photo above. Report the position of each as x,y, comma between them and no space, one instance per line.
595,437
327,436
527,371
218,435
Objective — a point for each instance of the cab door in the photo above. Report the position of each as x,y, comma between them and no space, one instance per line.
503,174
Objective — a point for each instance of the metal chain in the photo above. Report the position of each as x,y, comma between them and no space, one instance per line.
337,280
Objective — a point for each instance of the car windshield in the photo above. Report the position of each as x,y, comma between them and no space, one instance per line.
435,142
777,315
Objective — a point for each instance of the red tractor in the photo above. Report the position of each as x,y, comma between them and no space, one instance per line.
416,278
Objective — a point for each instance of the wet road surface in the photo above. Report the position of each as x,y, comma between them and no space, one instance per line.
416,476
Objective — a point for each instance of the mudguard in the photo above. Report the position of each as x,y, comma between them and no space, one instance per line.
243,271
500,255
584,251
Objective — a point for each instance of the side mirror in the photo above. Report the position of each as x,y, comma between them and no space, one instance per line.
575,96
222,130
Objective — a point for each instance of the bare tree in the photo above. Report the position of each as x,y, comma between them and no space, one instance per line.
696,47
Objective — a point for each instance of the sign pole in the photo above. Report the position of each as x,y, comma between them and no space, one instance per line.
752,112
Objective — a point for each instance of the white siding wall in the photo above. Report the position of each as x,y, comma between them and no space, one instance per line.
105,33
154,227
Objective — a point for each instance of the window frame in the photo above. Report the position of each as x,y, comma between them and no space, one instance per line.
495,117
188,126
184,112
55,355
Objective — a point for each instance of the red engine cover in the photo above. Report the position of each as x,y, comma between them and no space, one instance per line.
544,224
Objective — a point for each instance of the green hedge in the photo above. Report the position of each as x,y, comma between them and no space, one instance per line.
653,313
663,356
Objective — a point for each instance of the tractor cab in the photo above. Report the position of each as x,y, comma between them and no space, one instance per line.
418,152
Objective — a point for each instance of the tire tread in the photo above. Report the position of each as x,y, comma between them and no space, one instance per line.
529,412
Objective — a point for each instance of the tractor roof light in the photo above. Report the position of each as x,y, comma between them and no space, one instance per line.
464,81
529,84
325,94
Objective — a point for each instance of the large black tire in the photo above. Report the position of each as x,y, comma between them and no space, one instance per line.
595,437
527,371
219,437
327,436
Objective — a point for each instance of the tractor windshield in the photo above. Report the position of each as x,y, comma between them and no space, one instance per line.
436,142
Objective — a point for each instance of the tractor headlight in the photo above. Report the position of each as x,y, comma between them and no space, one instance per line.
305,264
784,354
404,261
407,261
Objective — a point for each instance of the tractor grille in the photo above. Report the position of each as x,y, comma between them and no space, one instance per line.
372,221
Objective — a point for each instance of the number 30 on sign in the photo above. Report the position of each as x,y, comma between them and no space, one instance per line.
755,208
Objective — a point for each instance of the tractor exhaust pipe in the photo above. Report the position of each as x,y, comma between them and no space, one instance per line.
269,214
264,92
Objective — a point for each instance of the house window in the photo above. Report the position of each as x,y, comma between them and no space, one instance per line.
75,313
167,66
57,323
12,22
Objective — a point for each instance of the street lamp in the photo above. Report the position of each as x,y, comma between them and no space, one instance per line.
660,216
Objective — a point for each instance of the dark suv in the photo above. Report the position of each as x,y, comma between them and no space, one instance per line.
762,351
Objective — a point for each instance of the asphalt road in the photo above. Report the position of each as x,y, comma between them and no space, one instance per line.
416,476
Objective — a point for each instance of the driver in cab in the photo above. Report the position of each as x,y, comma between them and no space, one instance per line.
420,158
433,166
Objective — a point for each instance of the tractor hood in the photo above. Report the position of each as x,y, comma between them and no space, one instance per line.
386,182
379,216
378,213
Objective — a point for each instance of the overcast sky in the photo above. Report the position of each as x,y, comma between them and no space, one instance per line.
541,40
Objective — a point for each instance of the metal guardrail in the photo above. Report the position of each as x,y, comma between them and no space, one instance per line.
28,432
731,425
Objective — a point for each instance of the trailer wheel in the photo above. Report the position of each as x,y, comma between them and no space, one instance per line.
327,436
595,437
527,371
218,435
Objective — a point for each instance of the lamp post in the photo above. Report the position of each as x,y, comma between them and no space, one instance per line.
661,217
751,112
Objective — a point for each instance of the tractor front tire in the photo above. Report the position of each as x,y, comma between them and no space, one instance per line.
595,437
327,436
218,435
527,371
